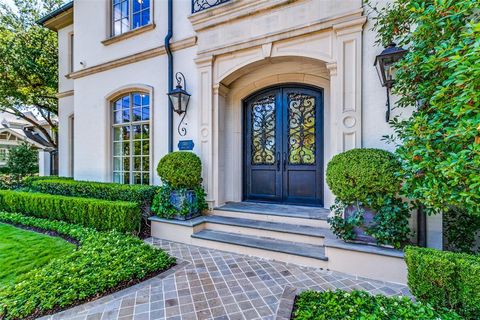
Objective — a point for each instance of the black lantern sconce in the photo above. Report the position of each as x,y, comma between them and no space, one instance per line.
179,98
385,64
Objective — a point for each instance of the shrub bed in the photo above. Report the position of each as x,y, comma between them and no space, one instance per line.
103,262
445,279
99,214
342,305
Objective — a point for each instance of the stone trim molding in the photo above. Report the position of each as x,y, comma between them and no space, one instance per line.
286,303
230,11
337,22
129,34
64,94
136,57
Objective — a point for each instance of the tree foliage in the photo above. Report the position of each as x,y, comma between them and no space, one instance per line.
28,68
439,144
22,160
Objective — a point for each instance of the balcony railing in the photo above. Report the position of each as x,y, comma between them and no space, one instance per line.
200,5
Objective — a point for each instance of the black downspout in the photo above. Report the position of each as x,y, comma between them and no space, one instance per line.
421,227
170,74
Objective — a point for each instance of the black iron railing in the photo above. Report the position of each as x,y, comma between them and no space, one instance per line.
200,5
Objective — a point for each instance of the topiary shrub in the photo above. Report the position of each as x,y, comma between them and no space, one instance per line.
365,184
181,196
181,169
357,174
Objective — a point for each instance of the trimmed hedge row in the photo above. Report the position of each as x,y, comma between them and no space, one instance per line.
103,261
445,279
341,305
102,215
141,194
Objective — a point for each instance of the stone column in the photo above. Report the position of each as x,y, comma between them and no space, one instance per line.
220,93
346,87
205,125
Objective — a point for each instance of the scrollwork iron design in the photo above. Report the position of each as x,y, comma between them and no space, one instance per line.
263,130
301,129
200,5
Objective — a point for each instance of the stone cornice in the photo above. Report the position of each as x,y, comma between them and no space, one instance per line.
136,57
64,94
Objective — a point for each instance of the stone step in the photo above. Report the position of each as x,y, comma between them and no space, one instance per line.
270,248
276,230
290,214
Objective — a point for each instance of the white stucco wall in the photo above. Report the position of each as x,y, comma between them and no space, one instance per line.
64,84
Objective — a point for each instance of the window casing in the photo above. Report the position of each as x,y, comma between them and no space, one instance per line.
131,138
128,15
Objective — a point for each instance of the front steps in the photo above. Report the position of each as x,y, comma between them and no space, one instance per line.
292,234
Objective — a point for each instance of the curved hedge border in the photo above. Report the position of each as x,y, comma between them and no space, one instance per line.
102,215
340,305
102,262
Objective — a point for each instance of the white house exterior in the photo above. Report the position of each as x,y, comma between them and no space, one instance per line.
318,51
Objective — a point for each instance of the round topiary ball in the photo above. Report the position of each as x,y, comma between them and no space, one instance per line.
356,174
181,169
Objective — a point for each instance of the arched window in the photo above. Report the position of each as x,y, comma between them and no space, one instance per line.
131,138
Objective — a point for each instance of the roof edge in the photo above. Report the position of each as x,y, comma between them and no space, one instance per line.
43,21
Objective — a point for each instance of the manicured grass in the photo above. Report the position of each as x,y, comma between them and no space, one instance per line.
104,262
22,251
342,305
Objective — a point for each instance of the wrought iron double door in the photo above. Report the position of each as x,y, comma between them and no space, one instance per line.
284,146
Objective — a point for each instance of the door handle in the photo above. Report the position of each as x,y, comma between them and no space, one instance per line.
278,161
284,161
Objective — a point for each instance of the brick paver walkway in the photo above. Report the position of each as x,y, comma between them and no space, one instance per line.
211,284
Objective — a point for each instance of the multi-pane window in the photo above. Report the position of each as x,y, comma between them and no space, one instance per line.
131,139
3,154
129,14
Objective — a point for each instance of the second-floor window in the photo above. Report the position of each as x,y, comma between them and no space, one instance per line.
129,14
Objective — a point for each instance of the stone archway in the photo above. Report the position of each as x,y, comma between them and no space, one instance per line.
330,59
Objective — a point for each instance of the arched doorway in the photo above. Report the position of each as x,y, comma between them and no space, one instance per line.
283,139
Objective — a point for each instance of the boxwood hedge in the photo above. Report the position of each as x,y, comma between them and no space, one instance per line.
102,262
99,214
342,305
445,279
141,194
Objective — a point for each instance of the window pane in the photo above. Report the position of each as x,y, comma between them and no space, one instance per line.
137,132
117,105
145,4
146,164
137,114
126,115
117,12
126,178
136,20
125,9
145,131
117,134
145,178
126,133
126,148
137,5
126,102
145,147
117,163
146,113
117,117
137,100
137,163
137,147
125,25
126,163
145,17
117,28
117,177
137,178
145,100
117,149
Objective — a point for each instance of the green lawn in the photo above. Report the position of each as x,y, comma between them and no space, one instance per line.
22,250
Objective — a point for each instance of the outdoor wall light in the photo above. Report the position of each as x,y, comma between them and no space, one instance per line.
385,64
179,98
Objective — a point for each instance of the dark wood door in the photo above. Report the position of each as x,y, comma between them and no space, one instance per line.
284,146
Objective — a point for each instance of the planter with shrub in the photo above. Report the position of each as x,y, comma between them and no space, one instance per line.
367,208
181,197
